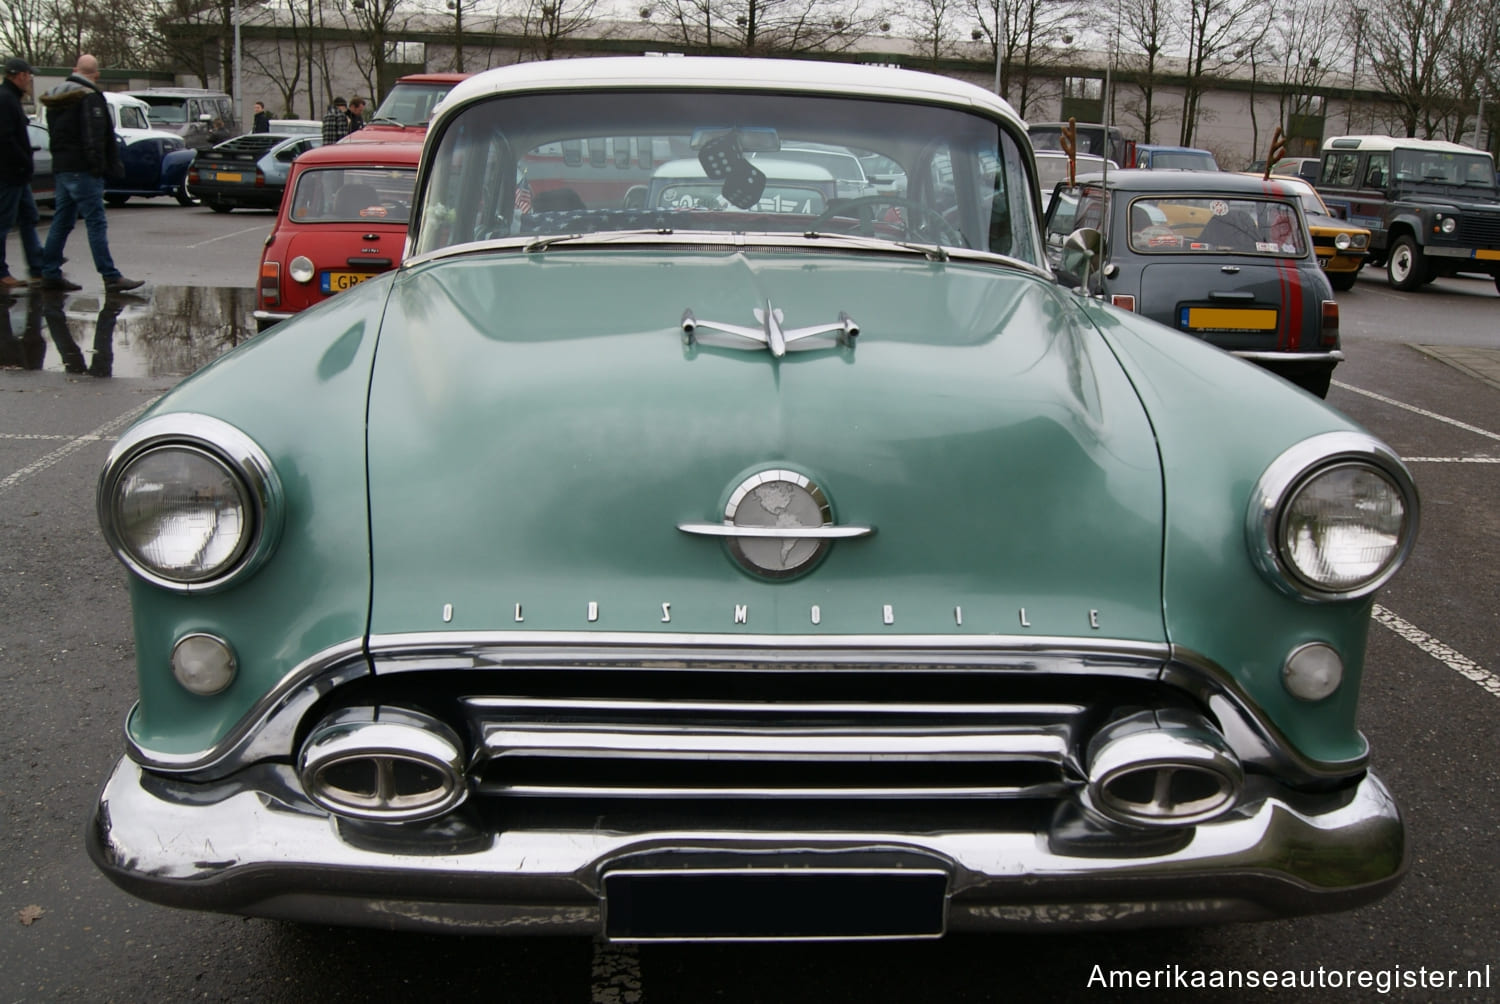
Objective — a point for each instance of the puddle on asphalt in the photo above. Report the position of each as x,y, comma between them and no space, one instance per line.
155,331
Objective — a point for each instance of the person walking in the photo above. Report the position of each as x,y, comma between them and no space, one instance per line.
84,153
17,206
356,113
336,122
262,120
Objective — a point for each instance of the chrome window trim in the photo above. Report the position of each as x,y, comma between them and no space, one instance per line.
1288,472
240,454
268,730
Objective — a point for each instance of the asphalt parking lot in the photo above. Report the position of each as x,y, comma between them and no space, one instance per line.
1423,372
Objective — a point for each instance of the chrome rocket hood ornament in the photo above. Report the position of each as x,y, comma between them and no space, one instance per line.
770,335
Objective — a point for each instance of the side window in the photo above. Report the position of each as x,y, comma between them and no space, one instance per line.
1378,173
1342,167
942,188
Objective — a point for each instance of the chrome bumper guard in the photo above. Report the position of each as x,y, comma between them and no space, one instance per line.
254,844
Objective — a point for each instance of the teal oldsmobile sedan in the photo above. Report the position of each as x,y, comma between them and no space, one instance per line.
751,569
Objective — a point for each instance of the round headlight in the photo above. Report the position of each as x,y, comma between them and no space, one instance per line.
1361,240
1333,518
181,513
1449,224
189,503
301,269
1342,242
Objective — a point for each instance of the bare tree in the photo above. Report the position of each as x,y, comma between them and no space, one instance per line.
934,26
1408,40
23,31
547,24
762,27
1299,35
382,23
1213,29
1147,34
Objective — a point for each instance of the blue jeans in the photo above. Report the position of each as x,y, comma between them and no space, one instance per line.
78,194
18,209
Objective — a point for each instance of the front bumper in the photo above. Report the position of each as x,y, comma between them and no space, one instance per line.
253,844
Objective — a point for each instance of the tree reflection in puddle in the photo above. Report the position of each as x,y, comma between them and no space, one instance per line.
158,331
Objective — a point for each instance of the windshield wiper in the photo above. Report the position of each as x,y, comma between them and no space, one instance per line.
543,243
932,252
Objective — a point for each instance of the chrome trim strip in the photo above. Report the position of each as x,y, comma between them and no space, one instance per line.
271,315
1334,355
268,728
552,705
500,741
274,854
1054,789
777,532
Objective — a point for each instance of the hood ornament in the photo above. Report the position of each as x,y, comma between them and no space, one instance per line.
778,523
770,334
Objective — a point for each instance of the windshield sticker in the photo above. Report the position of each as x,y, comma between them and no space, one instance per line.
1266,246
1219,207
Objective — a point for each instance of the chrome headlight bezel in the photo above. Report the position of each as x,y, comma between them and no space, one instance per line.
1288,474
1343,241
222,444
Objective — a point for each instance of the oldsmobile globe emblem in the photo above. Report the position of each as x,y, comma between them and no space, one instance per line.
778,524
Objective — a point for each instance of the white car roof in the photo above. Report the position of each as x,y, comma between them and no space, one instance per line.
724,73
1385,144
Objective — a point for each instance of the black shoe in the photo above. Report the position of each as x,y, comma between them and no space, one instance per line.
120,284
62,284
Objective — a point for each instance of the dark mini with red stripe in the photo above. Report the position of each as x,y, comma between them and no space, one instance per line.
1222,257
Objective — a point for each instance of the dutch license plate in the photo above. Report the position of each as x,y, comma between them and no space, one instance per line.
229,176
1236,319
1486,255
337,282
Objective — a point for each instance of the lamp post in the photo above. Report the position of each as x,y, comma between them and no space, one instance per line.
1480,132
457,7
1359,31
239,91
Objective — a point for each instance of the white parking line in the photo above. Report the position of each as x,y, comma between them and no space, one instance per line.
617,975
1460,664
1451,460
1418,411
225,237
73,445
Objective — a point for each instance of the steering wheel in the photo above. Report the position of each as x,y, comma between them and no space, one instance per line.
916,221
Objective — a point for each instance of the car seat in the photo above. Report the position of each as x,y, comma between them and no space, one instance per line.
353,198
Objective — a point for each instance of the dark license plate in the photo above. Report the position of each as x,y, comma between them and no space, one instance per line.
337,282
760,905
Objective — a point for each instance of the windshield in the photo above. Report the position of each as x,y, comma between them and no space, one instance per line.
1439,167
1233,225
562,164
350,194
410,104
167,109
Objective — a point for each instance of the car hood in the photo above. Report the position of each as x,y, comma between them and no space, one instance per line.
539,428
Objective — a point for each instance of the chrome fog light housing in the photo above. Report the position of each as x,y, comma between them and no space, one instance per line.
383,764
1333,518
301,269
204,664
189,503
1312,672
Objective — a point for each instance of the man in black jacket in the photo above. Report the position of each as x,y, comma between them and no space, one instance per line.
17,207
84,153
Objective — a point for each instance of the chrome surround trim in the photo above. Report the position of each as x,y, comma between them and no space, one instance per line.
383,737
1254,355
1161,745
777,532
268,729
276,855
1287,474
234,661
227,446
735,533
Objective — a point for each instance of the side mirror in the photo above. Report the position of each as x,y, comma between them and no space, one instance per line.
1082,254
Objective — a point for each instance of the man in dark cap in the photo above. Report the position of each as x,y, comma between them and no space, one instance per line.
336,122
17,207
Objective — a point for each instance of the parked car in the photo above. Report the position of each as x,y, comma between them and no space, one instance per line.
792,187
1221,256
726,579
1094,139
1305,168
43,182
296,127
1151,156
839,161
247,172
156,161
191,113
1340,245
1432,207
1053,166
406,109
343,221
